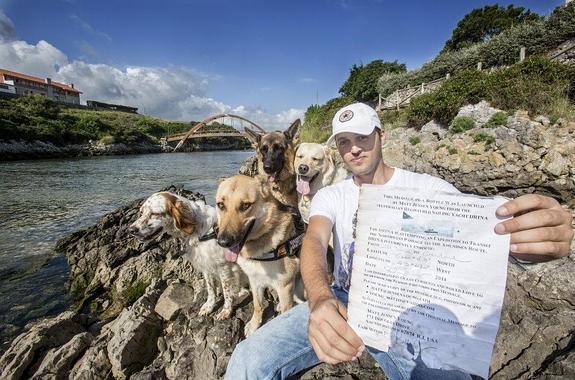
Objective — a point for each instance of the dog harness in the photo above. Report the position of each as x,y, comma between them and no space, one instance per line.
290,247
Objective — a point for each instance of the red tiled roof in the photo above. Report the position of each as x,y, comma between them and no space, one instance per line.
62,86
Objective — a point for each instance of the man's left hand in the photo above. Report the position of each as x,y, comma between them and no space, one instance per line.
540,229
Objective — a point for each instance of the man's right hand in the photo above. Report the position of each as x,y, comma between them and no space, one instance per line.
331,337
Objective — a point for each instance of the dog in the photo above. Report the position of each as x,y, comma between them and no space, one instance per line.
192,222
315,168
263,236
275,155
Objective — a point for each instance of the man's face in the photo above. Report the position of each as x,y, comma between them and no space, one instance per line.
361,153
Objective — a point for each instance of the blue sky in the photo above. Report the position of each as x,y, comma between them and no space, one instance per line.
187,59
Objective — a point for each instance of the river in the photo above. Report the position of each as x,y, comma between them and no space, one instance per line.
45,200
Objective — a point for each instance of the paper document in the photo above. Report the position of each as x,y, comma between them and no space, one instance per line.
428,276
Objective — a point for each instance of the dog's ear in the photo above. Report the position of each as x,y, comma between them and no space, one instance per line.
182,214
292,133
254,137
328,154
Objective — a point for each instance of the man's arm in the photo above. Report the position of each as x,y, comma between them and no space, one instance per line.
331,337
540,230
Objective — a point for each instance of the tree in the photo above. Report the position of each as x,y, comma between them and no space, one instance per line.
483,23
362,82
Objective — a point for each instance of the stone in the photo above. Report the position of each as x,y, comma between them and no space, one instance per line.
480,112
543,120
134,333
435,129
173,299
58,361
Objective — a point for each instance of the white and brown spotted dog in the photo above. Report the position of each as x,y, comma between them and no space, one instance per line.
315,168
192,222
251,224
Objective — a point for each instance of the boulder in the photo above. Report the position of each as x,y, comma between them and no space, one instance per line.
176,297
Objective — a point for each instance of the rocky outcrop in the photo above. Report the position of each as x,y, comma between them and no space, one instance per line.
25,150
137,304
523,156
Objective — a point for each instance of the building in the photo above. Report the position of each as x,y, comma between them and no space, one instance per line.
22,84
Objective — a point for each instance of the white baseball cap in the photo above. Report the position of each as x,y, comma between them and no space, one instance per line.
356,118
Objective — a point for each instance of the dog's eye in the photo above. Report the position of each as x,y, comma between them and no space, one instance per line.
315,159
264,149
277,147
244,206
221,205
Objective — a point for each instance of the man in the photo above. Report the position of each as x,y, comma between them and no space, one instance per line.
540,230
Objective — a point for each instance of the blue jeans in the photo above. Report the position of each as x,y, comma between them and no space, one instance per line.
281,348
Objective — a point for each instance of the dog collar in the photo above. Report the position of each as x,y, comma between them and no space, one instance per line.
210,235
288,248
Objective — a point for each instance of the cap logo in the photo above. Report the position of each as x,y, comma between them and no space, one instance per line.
346,116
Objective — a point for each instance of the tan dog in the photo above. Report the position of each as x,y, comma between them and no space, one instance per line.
252,224
275,154
315,168
192,222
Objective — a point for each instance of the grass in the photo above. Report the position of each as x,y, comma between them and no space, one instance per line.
496,120
461,124
135,291
482,136
414,140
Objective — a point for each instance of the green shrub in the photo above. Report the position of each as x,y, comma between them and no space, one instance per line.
361,84
414,140
317,124
452,150
482,136
443,104
496,120
536,85
135,291
461,124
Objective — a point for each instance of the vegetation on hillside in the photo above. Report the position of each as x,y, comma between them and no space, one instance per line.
361,84
33,117
481,24
537,36
538,85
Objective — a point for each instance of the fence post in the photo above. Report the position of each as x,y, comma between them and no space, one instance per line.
521,54
447,75
479,66
423,87
379,102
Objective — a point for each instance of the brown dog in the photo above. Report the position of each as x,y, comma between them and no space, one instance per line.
275,154
262,236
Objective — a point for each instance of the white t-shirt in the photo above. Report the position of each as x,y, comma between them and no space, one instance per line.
339,202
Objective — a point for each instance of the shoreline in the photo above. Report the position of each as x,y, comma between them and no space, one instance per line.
38,150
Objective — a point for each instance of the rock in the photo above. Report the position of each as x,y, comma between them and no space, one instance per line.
434,128
134,334
543,120
94,365
173,299
58,361
25,354
480,112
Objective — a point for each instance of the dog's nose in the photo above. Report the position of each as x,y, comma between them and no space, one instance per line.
225,240
303,169
133,230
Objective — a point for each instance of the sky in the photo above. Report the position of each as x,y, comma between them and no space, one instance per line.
267,60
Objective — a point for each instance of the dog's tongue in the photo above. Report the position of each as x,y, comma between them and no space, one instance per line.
231,254
271,178
303,186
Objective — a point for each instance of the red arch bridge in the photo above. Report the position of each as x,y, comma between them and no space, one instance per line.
200,130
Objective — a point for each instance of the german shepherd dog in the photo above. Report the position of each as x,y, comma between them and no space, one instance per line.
275,155
254,227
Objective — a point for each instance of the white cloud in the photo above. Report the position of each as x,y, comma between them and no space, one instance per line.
167,92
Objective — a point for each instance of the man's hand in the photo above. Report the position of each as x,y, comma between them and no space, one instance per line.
540,230
331,337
